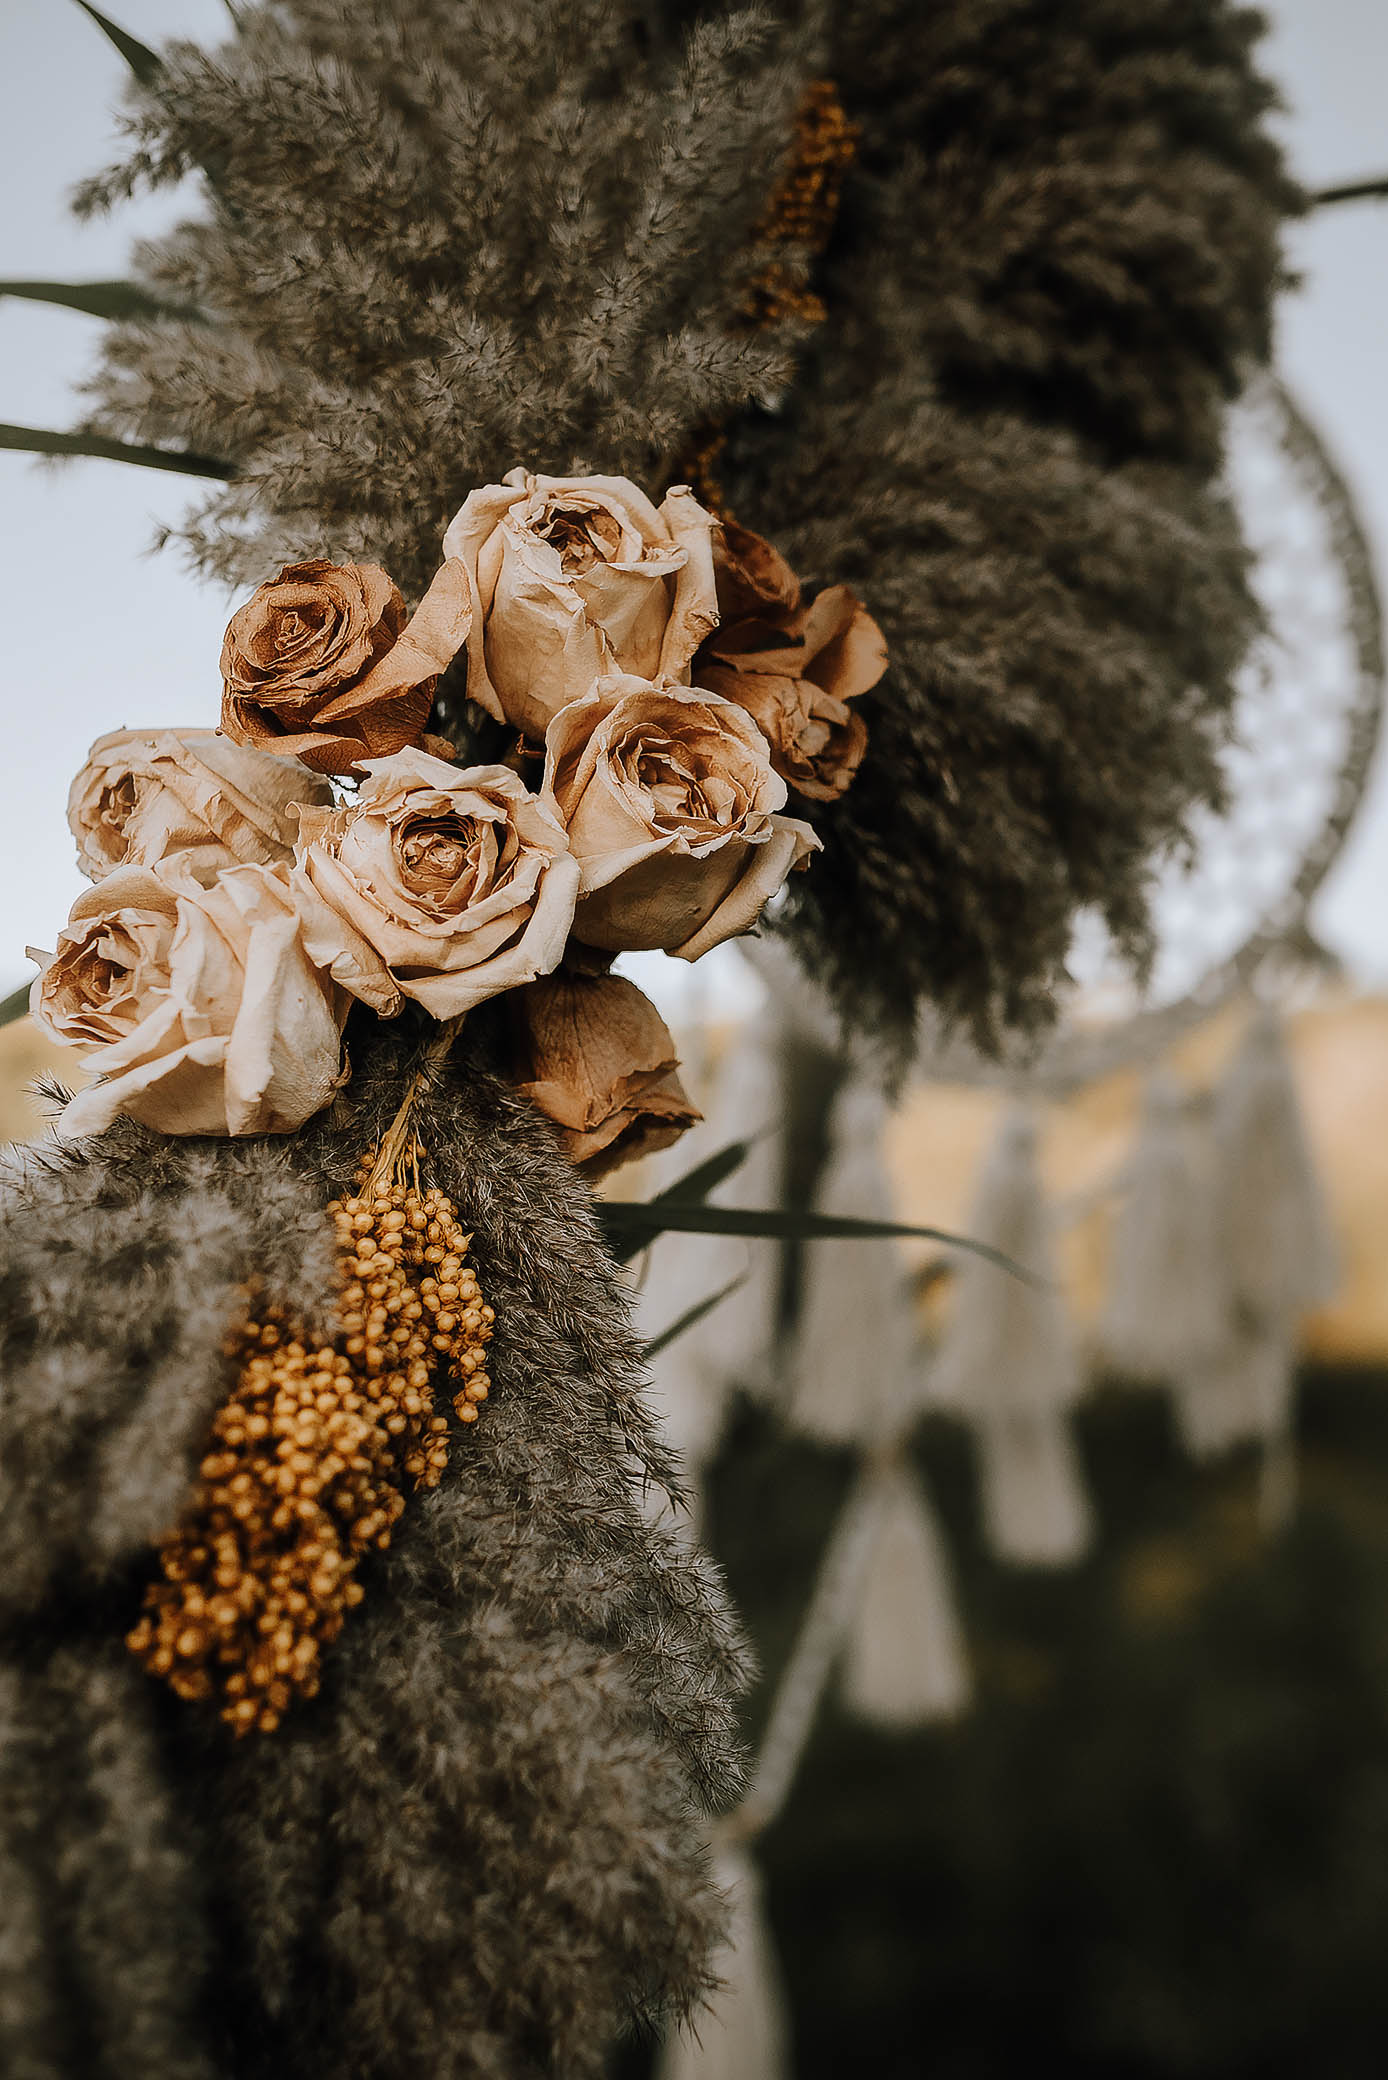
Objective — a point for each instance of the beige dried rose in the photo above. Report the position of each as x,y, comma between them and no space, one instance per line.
575,577
440,883
145,794
793,667
320,664
670,802
205,1012
597,1058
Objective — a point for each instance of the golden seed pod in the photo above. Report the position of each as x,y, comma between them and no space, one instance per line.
310,1456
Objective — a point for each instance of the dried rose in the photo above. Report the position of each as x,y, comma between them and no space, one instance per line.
146,794
574,577
795,682
321,664
753,579
440,883
205,1011
597,1058
669,799
793,667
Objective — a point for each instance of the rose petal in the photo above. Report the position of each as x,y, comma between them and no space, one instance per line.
768,866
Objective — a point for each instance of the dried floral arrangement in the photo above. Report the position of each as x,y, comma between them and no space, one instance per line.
240,908
326,1394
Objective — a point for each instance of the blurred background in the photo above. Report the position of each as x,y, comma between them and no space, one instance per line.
1071,1596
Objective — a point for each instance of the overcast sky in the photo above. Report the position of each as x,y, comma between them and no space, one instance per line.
98,633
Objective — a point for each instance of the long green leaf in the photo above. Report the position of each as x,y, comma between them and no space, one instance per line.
705,1177
634,1222
117,300
14,1005
692,1315
143,62
691,1189
34,440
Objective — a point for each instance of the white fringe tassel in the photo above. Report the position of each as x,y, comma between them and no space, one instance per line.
1278,1256
904,1664
1276,1230
744,2037
855,1370
1036,1509
1167,1307
1009,1364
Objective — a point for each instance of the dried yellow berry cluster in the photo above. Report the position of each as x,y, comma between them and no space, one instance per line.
309,1459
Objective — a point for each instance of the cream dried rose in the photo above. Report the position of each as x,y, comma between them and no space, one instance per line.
575,577
670,802
146,794
795,681
205,1012
321,665
440,883
597,1058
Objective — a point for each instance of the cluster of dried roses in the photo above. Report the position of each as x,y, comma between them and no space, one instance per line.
679,688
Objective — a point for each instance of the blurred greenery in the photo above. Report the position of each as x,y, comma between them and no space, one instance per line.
1158,1845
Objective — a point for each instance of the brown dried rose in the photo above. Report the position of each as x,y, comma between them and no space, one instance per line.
321,664
670,803
205,1012
793,667
597,1058
575,577
439,883
146,794
753,579
796,683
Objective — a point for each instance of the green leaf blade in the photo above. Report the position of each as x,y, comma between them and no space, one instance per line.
34,440
118,301
636,1222
690,1316
146,64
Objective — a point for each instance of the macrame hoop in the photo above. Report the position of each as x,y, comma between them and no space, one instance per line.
1076,1056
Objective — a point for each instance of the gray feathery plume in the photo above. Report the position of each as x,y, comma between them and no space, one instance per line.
479,1851
442,239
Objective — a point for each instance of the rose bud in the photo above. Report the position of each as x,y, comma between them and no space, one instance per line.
597,1058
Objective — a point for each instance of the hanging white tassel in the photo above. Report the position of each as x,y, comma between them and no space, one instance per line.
744,2036
1279,1260
855,1369
904,1664
1277,1236
1036,1510
1243,1393
1008,1362
1168,1304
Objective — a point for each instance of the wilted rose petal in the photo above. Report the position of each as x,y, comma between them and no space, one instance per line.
146,795
321,664
597,1058
205,1011
574,577
442,883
